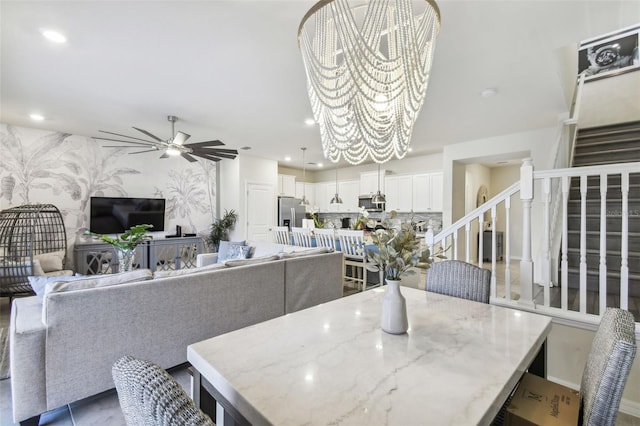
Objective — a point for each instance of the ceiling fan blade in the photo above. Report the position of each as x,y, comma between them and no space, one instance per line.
146,143
188,157
206,143
146,150
149,134
205,156
180,138
220,150
215,153
124,136
120,146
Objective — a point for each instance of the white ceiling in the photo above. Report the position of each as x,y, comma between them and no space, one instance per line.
231,70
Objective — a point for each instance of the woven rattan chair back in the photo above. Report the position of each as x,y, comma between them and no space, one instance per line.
607,369
459,279
148,395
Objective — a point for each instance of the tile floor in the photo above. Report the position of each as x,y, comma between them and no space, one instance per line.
104,409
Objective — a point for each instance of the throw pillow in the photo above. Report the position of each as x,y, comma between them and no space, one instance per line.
37,268
227,248
51,261
39,283
255,260
187,271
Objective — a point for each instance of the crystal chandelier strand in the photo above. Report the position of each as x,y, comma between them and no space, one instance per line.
367,70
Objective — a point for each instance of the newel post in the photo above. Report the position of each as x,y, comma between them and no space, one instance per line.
526,264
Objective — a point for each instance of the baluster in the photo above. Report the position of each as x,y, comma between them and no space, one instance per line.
624,249
583,244
480,239
428,239
493,251
467,231
455,244
546,249
603,242
507,248
526,263
564,289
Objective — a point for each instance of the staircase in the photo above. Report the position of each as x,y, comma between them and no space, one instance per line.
611,144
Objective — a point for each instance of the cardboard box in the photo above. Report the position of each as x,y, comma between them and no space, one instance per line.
538,401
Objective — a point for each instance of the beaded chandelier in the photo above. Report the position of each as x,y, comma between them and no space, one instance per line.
367,66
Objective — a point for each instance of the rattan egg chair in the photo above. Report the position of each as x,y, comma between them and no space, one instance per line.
26,232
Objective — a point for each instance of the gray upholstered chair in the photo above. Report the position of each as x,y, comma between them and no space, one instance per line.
608,366
150,396
459,279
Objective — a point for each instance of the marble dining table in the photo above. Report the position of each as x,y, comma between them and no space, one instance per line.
333,364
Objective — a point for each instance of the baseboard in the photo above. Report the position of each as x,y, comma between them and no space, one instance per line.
631,408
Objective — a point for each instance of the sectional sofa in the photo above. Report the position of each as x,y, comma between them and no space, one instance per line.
62,346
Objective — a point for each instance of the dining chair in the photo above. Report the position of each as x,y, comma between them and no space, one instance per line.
325,238
281,235
608,366
459,279
301,237
355,256
148,396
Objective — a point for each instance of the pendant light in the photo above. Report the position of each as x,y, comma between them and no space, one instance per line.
379,198
304,201
336,198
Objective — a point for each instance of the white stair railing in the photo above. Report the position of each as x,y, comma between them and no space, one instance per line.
460,238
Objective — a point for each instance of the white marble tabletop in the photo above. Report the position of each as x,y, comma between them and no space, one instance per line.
332,364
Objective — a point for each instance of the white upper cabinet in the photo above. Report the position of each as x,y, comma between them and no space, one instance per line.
349,191
323,196
427,192
399,193
287,185
369,182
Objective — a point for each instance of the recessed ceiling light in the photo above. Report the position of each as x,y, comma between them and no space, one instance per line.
287,158
309,121
410,149
36,117
320,165
54,36
488,92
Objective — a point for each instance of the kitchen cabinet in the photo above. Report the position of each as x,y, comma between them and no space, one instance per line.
287,185
369,182
427,192
349,191
399,193
323,194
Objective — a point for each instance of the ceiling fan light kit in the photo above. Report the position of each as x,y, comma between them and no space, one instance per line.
367,65
173,146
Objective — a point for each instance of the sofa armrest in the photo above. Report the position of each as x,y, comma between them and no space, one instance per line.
205,259
27,336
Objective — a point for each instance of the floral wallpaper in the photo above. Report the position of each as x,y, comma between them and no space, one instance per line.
39,166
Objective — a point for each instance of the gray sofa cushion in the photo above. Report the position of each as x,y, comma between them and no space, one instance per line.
187,271
251,261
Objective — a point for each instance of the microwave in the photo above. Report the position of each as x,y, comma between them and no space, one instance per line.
365,201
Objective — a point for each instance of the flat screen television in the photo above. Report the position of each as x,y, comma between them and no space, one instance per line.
111,215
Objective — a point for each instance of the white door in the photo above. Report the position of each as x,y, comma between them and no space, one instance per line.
260,211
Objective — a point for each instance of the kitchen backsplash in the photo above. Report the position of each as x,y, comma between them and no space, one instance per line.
431,218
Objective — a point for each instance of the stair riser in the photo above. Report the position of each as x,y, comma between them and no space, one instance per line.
613,243
612,207
608,130
613,194
613,284
602,146
613,263
627,156
614,223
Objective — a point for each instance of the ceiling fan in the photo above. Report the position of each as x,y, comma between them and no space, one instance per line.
173,146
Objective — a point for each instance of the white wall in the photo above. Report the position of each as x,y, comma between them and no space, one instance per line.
502,178
234,178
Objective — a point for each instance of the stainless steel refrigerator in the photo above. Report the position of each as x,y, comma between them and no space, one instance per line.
290,212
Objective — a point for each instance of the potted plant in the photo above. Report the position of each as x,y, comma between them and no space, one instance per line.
398,252
220,229
125,244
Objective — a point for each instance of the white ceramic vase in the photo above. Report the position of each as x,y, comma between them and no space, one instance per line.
125,259
394,309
